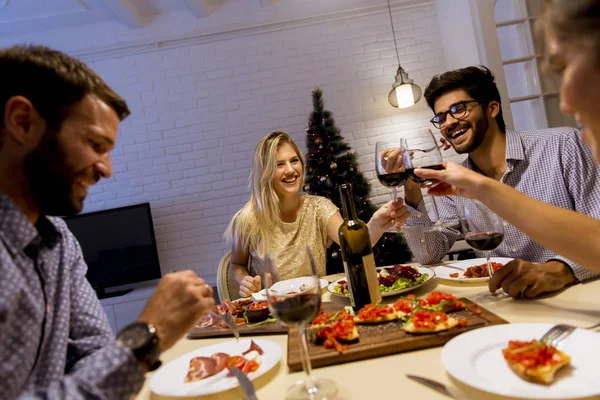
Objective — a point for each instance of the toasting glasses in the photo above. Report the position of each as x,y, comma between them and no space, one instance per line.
297,309
484,232
429,159
389,166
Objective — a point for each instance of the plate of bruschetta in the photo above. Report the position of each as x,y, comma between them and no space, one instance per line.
510,361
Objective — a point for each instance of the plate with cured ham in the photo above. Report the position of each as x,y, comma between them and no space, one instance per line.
468,271
509,361
206,370
393,280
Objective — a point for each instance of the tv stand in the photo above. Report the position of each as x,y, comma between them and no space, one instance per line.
103,294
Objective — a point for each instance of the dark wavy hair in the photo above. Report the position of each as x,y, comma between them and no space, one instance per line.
477,81
52,81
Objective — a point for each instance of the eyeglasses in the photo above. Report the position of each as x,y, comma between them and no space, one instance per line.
458,111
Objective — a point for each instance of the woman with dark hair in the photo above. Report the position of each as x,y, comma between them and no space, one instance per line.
570,31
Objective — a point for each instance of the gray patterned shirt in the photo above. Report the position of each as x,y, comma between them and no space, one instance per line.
551,165
56,342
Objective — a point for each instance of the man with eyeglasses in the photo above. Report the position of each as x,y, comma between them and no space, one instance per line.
551,165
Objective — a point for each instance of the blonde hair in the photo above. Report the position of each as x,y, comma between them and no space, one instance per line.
253,227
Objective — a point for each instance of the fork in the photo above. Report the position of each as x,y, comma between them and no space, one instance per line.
428,150
230,321
556,334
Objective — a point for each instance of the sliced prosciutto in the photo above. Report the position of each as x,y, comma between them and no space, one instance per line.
221,359
255,347
200,368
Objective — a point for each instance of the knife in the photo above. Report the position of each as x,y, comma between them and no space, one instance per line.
439,387
245,383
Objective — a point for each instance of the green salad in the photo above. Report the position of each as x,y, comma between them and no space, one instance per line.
391,279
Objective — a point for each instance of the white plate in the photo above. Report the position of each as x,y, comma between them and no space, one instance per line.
444,271
422,270
475,358
169,379
289,285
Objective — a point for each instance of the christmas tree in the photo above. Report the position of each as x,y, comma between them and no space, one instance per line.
331,162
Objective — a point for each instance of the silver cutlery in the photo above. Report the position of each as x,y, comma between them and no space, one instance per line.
439,387
428,150
556,334
230,321
245,383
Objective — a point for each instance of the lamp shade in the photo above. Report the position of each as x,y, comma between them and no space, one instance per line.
404,92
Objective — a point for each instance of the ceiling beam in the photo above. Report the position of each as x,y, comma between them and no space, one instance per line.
126,12
197,7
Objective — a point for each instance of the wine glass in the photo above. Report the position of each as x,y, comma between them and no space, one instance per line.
484,232
423,151
389,167
297,308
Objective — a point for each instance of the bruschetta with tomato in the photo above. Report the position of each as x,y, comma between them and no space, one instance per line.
535,361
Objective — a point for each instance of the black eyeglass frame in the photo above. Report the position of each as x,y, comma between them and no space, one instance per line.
438,124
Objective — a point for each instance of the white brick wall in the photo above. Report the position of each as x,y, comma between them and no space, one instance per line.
199,110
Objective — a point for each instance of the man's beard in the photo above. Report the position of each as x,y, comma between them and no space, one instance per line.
478,130
51,180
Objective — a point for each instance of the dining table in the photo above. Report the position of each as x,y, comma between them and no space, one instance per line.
384,377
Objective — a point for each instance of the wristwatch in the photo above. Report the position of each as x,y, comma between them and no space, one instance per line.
141,338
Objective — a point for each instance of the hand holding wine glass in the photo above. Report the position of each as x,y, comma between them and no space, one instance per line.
430,159
297,309
484,232
389,166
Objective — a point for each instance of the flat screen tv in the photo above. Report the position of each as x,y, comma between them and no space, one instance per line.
118,246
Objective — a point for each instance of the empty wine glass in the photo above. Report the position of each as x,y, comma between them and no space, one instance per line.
423,151
297,308
484,232
389,167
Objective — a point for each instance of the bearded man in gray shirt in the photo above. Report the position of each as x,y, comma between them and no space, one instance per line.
59,122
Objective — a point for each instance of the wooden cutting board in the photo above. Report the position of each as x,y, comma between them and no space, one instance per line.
383,339
244,330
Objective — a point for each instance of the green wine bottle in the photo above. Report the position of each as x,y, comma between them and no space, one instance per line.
357,254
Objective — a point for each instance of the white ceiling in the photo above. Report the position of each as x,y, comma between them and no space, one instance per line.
30,16
23,17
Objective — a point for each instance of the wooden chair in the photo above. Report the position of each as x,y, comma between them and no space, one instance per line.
227,287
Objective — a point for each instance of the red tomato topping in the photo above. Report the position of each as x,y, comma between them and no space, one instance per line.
531,353
428,319
405,305
258,306
373,311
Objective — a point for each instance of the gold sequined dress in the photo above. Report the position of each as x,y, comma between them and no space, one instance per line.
310,228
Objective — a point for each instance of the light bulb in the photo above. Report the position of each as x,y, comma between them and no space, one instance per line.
404,96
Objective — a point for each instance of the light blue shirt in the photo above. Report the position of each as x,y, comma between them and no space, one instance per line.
550,165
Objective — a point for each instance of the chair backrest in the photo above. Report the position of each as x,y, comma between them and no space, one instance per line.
227,287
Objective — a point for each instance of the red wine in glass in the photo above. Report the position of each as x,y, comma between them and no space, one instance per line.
296,310
485,241
393,180
411,173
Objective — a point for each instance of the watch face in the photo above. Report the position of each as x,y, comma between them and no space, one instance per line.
135,336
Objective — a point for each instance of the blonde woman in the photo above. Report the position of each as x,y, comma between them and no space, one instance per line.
280,221
571,35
